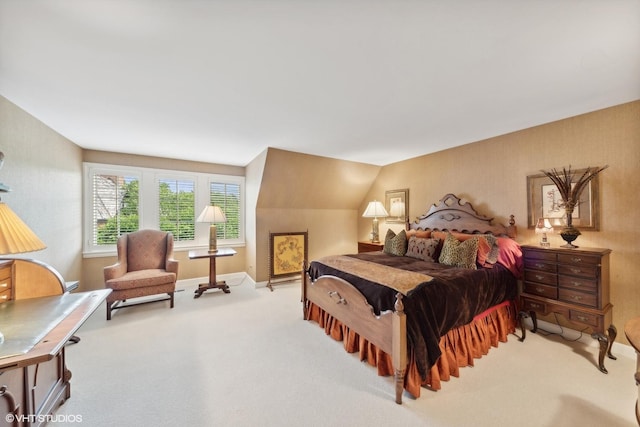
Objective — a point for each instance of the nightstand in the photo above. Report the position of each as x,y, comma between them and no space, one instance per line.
370,246
573,283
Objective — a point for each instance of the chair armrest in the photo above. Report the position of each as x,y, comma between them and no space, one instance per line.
172,266
114,271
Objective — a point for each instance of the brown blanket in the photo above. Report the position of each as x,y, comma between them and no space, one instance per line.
450,298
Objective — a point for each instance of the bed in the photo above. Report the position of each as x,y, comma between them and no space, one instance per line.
422,312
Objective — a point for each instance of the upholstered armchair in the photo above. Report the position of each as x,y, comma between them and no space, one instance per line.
145,267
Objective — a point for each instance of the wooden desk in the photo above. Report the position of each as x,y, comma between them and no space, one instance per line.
34,379
213,283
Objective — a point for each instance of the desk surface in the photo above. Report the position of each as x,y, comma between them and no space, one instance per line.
204,253
50,335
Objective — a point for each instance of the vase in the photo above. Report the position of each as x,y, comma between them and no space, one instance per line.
569,233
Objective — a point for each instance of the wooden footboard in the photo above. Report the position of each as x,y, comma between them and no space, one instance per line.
345,303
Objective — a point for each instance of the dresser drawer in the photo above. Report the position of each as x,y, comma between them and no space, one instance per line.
578,259
584,270
531,305
540,265
542,255
576,297
542,290
540,277
582,317
579,283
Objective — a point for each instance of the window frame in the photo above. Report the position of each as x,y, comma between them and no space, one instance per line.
148,204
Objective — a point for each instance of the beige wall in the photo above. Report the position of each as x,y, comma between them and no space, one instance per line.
295,192
492,175
44,171
299,192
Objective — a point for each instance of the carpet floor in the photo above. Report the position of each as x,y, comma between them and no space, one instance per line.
248,359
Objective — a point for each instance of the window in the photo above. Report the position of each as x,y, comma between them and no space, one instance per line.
176,208
122,199
115,207
227,197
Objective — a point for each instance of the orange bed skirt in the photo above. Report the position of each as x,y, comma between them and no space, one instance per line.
459,347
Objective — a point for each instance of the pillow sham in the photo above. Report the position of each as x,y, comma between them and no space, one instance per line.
459,254
422,248
419,233
395,244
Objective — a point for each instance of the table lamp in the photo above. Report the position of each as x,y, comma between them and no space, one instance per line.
212,215
375,210
543,227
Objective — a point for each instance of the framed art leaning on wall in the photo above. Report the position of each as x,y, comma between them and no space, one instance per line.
544,201
287,254
396,202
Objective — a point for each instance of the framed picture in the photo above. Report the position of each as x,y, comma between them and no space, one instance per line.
544,201
396,202
287,253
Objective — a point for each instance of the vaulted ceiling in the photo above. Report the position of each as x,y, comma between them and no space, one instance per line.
373,81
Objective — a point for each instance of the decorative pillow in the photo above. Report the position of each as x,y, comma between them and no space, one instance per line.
485,259
395,244
459,254
421,248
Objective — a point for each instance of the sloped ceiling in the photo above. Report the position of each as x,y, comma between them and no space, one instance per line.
373,81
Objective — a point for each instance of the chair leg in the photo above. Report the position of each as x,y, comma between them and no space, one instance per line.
171,295
108,310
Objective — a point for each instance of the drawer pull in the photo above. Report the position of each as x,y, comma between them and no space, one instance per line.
576,297
576,259
541,290
540,265
539,277
582,318
4,297
576,270
576,284
534,305
4,285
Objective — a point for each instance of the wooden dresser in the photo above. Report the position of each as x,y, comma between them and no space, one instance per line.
573,283
369,247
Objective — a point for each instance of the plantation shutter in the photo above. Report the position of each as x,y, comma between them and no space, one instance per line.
177,208
115,207
227,197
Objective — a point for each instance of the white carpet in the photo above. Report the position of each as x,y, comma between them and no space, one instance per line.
248,359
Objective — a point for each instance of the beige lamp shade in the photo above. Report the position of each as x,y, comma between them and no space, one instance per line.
15,236
212,215
374,210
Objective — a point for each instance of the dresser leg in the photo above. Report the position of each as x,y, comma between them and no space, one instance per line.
521,317
604,347
534,319
613,333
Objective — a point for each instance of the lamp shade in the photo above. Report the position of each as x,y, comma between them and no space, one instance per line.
15,236
375,209
544,226
212,214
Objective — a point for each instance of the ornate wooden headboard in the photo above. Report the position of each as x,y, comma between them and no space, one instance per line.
452,215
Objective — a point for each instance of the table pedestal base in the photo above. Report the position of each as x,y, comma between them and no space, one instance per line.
206,286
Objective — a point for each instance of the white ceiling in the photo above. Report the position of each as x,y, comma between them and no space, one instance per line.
374,81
